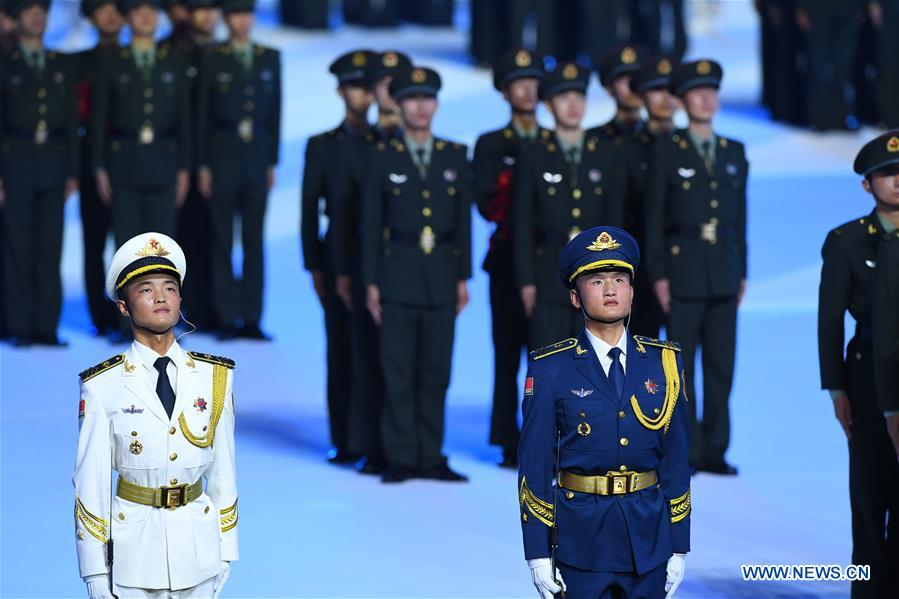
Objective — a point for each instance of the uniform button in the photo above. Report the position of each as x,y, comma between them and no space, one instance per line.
173,457
121,515
173,482
42,93
686,185
576,212
713,220
551,191
622,468
858,356
133,433
425,193
598,191
148,108
248,105
621,414
206,510
655,410
116,146
675,250
451,191
576,194
148,92
426,211
42,109
713,203
569,495
80,534
396,191
172,431
583,414
714,185
623,441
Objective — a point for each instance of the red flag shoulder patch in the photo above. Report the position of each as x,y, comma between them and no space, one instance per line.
529,386
81,409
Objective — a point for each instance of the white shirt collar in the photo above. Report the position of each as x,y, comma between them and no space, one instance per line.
148,357
601,348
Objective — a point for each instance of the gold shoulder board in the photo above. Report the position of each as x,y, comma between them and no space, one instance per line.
221,360
102,367
641,340
553,349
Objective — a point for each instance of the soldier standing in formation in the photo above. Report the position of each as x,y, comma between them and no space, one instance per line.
604,482
141,121
389,64
38,171
328,258
416,255
104,15
7,28
239,116
696,251
565,183
651,82
615,70
163,419
848,274
517,75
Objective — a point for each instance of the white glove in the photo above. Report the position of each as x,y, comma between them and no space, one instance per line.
542,575
676,565
98,586
221,579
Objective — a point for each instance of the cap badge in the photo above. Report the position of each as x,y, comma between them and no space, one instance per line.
628,55
704,67
664,67
390,59
569,72
522,59
419,76
893,144
153,248
359,59
604,242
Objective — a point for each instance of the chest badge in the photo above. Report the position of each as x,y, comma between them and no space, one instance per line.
651,386
552,177
397,178
583,429
200,404
509,160
594,174
582,393
136,447
132,410
686,173
529,386
449,175
731,168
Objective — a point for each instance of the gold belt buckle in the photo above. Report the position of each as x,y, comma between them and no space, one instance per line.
146,135
427,240
173,497
245,129
709,232
619,483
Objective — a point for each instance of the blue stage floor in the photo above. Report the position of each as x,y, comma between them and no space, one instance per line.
312,530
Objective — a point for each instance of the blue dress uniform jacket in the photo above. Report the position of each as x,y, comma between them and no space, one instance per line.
566,387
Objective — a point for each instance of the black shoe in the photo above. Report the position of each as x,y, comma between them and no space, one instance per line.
342,457
229,333
509,459
50,341
442,472
21,342
252,331
372,465
719,467
397,474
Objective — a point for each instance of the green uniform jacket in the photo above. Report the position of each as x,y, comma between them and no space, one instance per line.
125,107
398,206
682,196
29,104
232,102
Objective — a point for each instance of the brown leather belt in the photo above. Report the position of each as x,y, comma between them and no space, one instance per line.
613,483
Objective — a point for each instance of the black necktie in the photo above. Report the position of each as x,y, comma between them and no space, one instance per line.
164,387
616,371
422,167
707,156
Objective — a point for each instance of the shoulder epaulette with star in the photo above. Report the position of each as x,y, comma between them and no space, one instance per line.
553,349
641,340
220,360
100,368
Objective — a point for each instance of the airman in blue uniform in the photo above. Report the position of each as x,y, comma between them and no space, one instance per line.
604,479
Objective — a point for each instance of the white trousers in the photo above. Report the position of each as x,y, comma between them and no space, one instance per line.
201,591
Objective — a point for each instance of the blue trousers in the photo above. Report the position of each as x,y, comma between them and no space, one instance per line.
584,584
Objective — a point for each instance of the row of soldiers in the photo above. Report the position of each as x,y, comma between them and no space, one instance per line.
830,64
177,136
390,268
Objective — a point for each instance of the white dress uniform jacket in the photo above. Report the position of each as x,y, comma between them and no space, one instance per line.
123,427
